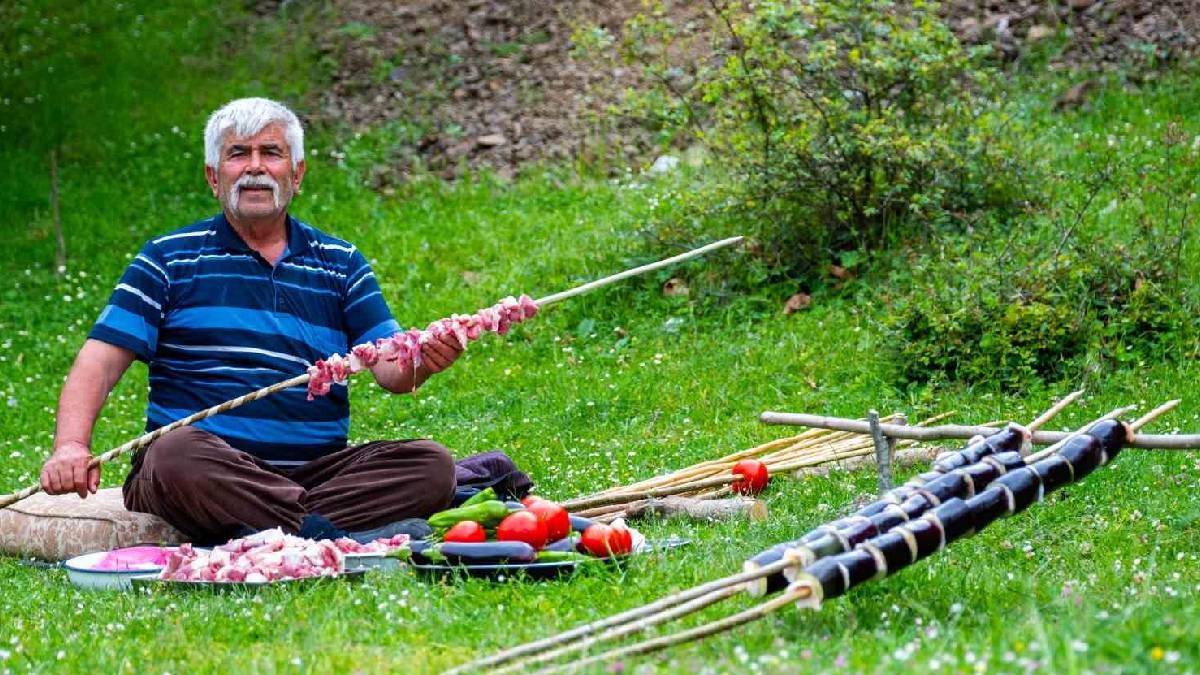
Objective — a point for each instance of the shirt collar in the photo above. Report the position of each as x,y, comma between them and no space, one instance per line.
228,238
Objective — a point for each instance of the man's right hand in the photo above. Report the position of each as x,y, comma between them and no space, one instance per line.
67,471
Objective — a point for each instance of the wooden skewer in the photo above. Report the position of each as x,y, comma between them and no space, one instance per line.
1154,414
1054,410
299,380
734,580
1046,452
953,431
684,609
788,597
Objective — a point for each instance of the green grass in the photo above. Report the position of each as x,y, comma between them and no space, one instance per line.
615,386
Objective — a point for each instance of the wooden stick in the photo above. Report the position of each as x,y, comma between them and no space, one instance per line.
1054,410
593,285
685,507
883,464
141,441
1154,414
1046,452
733,580
712,628
625,629
953,431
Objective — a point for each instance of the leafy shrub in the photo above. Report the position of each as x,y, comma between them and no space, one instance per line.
837,125
1074,288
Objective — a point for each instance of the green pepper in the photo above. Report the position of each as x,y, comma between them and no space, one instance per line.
488,513
563,556
484,495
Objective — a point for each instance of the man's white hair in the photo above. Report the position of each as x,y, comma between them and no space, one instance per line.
246,117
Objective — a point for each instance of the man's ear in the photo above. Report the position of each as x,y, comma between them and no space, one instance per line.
210,174
298,177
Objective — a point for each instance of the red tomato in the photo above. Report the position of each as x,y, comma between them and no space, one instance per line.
466,531
556,518
753,477
595,540
522,526
530,500
620,540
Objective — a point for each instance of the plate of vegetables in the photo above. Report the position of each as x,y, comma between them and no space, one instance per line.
536,538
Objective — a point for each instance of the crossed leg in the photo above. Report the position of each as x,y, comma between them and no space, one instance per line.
210,490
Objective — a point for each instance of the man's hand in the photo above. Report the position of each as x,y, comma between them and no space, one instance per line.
67,471
439,353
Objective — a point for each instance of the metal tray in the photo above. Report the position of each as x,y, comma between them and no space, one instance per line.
536,570
153,583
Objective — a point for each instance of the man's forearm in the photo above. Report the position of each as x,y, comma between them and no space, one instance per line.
93,375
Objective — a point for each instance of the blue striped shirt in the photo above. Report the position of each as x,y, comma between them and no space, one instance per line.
214,320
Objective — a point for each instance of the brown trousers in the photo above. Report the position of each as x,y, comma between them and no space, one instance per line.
209,490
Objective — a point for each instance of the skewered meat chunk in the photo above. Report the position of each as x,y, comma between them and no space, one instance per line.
405,347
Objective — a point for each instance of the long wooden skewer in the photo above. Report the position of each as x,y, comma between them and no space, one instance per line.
299,380
792,594
660,611
953,431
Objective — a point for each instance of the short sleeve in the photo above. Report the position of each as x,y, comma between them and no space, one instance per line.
135,310
366,312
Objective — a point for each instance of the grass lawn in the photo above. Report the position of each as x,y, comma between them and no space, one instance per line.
615,386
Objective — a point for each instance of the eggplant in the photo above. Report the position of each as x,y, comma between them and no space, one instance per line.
833,578
860,565
579,523
769,584
988,506
1025,485
484,553
1055,472
1084,453
950,485
929,535
889,518
1113,435
955,519
567,543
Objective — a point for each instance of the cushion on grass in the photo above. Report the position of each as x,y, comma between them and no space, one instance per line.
64,526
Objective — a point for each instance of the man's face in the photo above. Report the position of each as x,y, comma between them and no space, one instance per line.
254,179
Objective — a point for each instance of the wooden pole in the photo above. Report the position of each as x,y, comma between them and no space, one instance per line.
8,500
959,431
883,464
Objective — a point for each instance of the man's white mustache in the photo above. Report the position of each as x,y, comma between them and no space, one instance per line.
253,182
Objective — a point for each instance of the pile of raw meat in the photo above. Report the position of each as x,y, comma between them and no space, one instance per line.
405,348
267,556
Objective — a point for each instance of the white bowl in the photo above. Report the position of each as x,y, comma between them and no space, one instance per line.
81,574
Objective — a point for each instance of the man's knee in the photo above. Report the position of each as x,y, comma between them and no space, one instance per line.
180,456
435,466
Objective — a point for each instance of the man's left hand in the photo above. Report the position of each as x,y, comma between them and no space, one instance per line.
439,353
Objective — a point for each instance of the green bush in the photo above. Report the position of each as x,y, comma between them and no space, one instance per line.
1074,288
837,125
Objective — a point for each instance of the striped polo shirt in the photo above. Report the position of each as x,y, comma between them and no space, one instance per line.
214,320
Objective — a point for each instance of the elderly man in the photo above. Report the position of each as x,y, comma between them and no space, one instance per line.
230,304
